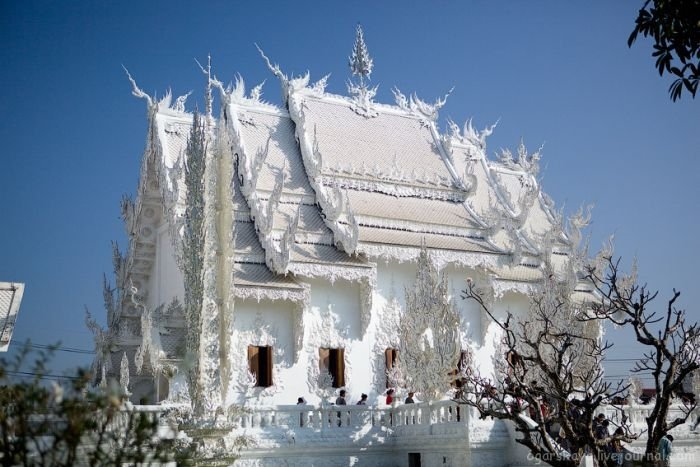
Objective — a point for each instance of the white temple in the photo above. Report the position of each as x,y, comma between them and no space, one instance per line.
278,252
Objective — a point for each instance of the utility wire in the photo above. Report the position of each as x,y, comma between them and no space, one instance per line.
53,347
29,374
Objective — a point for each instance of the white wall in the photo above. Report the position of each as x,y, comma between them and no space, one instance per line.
166,281
332,319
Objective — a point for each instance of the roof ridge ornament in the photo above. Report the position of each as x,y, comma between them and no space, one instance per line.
277,71
524,161
361,64
413,104
136,91
469,134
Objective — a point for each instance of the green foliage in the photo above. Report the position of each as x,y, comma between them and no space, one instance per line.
675,27
62,425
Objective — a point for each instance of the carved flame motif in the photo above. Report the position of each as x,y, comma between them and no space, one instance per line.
124,374
429,340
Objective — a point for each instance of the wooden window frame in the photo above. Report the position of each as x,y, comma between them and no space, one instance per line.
332,360
260,362
390,357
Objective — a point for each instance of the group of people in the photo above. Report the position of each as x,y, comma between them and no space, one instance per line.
341,399
390,397
601,431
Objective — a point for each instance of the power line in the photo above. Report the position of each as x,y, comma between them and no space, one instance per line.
53,347
29,374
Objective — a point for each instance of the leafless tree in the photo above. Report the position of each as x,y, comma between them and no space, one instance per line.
670,342
549,373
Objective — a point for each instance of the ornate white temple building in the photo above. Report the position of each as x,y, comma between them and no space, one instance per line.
286,251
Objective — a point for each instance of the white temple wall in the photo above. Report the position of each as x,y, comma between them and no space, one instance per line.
264,323
469,310
332,320
484,356
166,281
392,279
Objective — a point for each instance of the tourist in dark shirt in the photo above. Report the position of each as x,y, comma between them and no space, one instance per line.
340,400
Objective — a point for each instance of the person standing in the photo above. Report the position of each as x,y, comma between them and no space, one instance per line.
617,453
363,399
409,399
340,400
389,397
664,450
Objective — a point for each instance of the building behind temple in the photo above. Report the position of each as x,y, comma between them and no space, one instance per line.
279,251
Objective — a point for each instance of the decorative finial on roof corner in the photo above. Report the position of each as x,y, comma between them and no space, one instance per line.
137,91
275,69
360,62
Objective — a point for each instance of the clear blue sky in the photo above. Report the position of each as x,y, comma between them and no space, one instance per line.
553,72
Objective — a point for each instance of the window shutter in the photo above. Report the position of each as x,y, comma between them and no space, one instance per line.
341,368
390,356
254,361
268,366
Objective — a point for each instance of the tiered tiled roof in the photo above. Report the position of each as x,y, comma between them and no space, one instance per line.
336,182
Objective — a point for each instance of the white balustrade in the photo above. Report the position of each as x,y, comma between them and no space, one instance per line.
354,416
637,414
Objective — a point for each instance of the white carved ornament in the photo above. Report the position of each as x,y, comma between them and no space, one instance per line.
429,334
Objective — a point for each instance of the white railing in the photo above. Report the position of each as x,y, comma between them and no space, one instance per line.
355,416
637,414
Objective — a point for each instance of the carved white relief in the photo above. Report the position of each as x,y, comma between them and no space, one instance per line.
429,335
259,332
124,374
270,293
362,99
103,343
441,258
386,337
326,330
332,273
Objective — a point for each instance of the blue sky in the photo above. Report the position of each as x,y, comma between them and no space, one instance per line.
558,73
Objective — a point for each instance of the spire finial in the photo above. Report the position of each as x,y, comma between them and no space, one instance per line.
360,62
209,96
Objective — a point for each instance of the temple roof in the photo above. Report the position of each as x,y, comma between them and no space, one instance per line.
335,181
393,146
